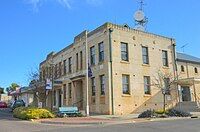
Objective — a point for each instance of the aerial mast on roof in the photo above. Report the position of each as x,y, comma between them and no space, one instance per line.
140,18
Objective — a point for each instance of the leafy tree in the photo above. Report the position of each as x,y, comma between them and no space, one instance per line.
12,87
1,90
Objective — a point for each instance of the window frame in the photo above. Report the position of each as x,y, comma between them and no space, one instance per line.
101,51
93,85
102,85
126,84
165,58
124,53
147,85
70,64
92,55
145,55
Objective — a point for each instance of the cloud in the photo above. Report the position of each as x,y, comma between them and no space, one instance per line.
37,3
95,2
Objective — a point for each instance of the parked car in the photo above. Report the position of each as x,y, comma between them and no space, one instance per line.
17,103
3,105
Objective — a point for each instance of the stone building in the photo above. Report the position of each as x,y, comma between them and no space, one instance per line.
124,63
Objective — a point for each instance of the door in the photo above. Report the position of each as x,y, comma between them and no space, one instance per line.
186,95
59,98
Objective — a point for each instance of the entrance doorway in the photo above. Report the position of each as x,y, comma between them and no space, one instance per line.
59,98
186,94
79,94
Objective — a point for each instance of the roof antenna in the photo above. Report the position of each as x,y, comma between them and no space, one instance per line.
140,18
183,47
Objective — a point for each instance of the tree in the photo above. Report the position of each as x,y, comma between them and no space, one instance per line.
164,81
37,85
12,87
1,90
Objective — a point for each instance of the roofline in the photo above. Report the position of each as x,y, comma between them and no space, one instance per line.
187,61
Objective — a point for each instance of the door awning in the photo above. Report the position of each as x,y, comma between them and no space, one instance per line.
188,81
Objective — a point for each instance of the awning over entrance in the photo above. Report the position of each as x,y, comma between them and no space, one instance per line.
188,81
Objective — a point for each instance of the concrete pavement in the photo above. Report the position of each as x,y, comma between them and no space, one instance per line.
10,124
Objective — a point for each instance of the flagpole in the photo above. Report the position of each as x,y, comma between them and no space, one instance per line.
86,53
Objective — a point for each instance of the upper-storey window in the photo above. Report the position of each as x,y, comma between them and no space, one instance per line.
182,68
56,71
70,65
92,55
101,52
124,51
77,60
145,55
165,58
64,67
60,69
81,60
195,70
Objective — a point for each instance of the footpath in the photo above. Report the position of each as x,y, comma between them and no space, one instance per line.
104,120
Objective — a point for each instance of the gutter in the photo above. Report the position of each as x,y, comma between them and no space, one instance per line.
111,69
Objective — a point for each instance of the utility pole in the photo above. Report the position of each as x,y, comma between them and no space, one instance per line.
86,54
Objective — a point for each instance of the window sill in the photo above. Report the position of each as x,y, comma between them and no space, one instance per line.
126,95
147,95
147,65
165,67
125,62
101,62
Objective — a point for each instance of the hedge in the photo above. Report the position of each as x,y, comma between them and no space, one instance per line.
27,113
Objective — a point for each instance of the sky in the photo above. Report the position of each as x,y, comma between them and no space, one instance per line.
30,29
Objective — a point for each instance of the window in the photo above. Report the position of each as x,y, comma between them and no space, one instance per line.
93,86
101,52
65,91
165,58
145,55
60,69
70,65
92,55
167,86
54,98
124,51
70,90
147,88
125,84
77,62
81,60
195,70
182,68
56,70
102,83
64,67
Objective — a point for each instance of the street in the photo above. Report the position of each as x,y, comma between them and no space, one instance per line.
10,124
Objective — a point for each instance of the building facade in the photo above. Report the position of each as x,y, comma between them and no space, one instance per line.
123,67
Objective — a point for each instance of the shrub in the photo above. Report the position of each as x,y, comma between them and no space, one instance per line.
26,113
147,114
178,113
161,112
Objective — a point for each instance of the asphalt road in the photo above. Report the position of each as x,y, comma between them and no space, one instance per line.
9,124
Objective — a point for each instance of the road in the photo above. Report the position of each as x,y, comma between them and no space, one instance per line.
10,124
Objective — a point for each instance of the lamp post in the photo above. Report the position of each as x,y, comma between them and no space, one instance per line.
87,94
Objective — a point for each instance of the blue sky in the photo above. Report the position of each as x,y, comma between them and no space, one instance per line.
30,29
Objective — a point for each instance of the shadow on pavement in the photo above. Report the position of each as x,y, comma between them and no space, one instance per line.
6,114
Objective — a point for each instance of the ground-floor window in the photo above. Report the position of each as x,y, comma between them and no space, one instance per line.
102,84
70,90
93,86
147,88
125,84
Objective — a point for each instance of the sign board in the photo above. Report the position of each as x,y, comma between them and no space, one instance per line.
39,104
48,84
